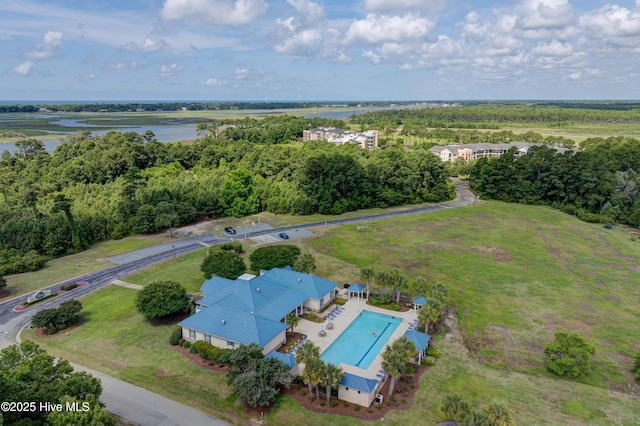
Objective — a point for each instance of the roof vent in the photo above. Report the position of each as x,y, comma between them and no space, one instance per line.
299,280
251,312
257,289
224,322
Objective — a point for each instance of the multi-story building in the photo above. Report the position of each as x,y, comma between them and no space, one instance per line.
366,140
477,150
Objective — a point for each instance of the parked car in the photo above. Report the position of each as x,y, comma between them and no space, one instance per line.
284,236
230,230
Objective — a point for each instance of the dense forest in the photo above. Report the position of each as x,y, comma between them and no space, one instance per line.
493,116
599,183
94,188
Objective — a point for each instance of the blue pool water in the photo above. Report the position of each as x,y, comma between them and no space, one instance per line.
361,342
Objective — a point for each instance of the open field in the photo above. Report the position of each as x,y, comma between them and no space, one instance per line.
516,274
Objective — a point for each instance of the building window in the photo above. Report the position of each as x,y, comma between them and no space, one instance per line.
231,344
321,302
192,334
207,338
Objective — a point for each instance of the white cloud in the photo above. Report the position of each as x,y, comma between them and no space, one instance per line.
241,73
214,82
373,57
395,5
88,76
309,12
554,48
149,44
382,28
169,70
22,69
613,25
52,39
575,75
534,14
116,66
222,12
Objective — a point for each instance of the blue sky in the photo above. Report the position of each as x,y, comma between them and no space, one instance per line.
319,50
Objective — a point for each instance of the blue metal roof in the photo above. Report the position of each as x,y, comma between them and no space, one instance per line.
288,360
420,301
418,338
214,284
310,285
358,383
357,287
233,325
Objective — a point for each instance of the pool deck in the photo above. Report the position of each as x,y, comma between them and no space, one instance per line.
351,310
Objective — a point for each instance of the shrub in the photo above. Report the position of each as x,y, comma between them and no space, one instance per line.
369,410
181,341
323,403
379,406
175,337
312,316
208,351
404,401
186,344
303,393
162,298
608,225
433,352
193,349
356,408
427,361
310,399
231,246
569,355
340,302
270,257
223,263
333,403
346,404
52,330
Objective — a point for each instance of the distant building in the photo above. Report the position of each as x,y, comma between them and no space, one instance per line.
366,140
473,151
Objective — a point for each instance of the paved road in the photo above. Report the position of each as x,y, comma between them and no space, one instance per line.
11,322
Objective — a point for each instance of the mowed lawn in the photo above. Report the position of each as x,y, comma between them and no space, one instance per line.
516,274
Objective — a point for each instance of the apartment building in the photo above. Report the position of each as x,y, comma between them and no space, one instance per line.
366,140
477,150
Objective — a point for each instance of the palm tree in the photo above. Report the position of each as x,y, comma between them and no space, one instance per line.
398,282
305,263
421,286
292,319
313,374
366,275
440,293
454,407
307,353
429,314
331,377
477,417
383,279
499,414
395,359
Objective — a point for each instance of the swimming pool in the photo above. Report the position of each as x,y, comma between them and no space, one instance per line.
361,342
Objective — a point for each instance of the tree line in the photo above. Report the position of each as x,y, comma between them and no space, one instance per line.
94,188
598,184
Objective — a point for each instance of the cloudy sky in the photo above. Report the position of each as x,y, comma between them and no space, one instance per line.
319,49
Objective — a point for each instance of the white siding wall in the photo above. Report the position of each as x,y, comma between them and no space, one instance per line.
351,395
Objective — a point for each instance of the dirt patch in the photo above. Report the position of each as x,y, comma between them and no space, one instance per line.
5,293
424,247
498,254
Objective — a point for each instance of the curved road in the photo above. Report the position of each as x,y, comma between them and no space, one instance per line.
140,406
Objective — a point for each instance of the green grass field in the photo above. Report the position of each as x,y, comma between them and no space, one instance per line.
516,274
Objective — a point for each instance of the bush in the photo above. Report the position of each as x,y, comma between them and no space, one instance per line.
433,352
231,246
379,406
357,408
333,403
186,344
369,410
193,349
181,341
209,352
346,404
270,257
223,263
311,316
340,302
52,330
427,361
68,286
175,337
323,403
569,355
162,298
608,225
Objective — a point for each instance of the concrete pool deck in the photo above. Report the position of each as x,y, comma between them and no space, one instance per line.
352,309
